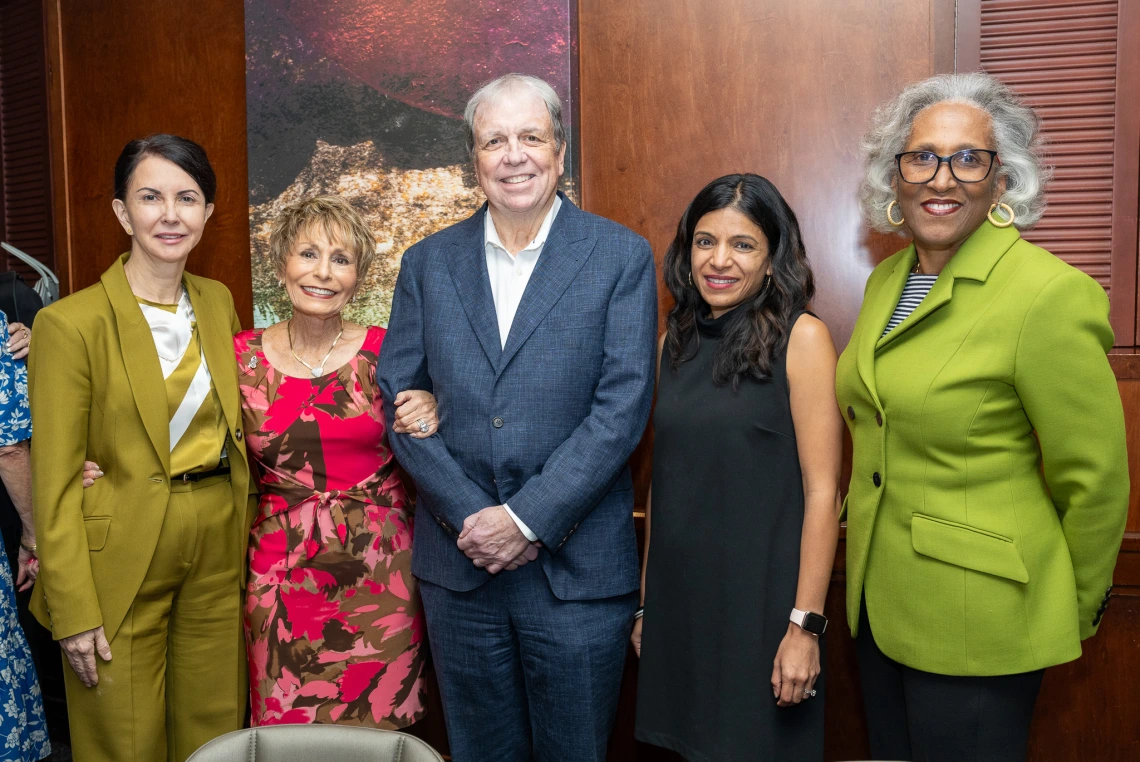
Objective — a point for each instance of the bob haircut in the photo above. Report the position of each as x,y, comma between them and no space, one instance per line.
1016,133
496,87
339,221
759,329
182,152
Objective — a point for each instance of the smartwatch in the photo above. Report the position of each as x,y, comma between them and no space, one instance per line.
816,624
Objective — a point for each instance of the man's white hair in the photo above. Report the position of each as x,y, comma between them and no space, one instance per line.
497,87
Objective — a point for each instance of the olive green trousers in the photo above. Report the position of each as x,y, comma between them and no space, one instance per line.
177,677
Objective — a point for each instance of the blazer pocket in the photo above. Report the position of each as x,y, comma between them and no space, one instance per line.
97,528
967,546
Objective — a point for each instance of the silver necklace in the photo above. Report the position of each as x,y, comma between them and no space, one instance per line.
319,370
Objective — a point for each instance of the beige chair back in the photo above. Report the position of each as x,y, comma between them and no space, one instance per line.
314,743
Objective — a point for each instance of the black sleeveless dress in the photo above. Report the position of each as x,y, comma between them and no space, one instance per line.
724,557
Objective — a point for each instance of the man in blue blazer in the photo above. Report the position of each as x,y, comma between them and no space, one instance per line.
534,324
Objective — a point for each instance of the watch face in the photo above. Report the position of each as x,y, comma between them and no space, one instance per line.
815,623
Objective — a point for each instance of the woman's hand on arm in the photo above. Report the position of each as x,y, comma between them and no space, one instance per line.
91,472
414,406
16,473
29,569
19,340
819,441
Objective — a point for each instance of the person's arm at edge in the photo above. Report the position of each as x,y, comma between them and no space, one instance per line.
60,392
811,362
1071,397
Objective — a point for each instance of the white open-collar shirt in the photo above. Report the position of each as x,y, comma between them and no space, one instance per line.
509,276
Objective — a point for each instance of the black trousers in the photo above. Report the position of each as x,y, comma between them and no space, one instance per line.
924,717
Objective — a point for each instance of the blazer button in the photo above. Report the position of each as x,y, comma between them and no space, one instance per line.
879,418
497,422
851,412
878,480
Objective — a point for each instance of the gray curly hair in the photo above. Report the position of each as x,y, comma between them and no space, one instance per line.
1017,139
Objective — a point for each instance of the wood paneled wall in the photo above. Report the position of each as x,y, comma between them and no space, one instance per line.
677,92
127,70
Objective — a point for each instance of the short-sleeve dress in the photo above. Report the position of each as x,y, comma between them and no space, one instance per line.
23,730
333,621
724,558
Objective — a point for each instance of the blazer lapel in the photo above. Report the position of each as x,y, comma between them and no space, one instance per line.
940,293
468,266
566,249
140,359
880,306
217,343
973,261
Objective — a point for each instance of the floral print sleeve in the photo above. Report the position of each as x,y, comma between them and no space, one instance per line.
15,412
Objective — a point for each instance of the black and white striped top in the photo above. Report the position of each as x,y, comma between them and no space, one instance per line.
916,288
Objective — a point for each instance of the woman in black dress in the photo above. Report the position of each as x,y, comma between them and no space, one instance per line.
745,495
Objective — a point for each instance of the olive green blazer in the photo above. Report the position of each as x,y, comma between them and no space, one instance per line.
97,393
989,485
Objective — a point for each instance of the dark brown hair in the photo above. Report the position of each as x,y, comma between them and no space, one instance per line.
759,328
182,152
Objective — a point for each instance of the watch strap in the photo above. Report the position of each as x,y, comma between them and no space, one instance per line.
801,618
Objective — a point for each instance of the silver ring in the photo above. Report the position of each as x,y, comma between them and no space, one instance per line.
809,694
423,426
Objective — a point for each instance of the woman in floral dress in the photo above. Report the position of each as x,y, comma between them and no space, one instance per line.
333,622
23,730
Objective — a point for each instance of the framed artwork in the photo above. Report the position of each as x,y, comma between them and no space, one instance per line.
364,99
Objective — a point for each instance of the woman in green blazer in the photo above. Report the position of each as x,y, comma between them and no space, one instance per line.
989,484
141,575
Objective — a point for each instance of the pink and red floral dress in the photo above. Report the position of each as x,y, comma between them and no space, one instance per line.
332,617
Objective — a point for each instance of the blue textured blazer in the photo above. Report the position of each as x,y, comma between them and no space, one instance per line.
546,423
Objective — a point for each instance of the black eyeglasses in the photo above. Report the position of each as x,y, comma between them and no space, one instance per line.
969,166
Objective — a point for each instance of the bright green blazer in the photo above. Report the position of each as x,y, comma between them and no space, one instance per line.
97,393
989,485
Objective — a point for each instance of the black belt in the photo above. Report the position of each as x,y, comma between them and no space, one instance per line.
200,475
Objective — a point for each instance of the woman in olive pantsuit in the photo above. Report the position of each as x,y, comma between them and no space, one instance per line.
136,373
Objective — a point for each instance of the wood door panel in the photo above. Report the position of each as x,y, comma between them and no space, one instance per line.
147,68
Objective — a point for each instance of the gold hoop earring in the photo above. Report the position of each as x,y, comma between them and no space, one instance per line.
690,277
891,219
1006,209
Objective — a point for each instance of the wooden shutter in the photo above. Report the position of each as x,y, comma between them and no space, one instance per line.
24,167
1076,63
